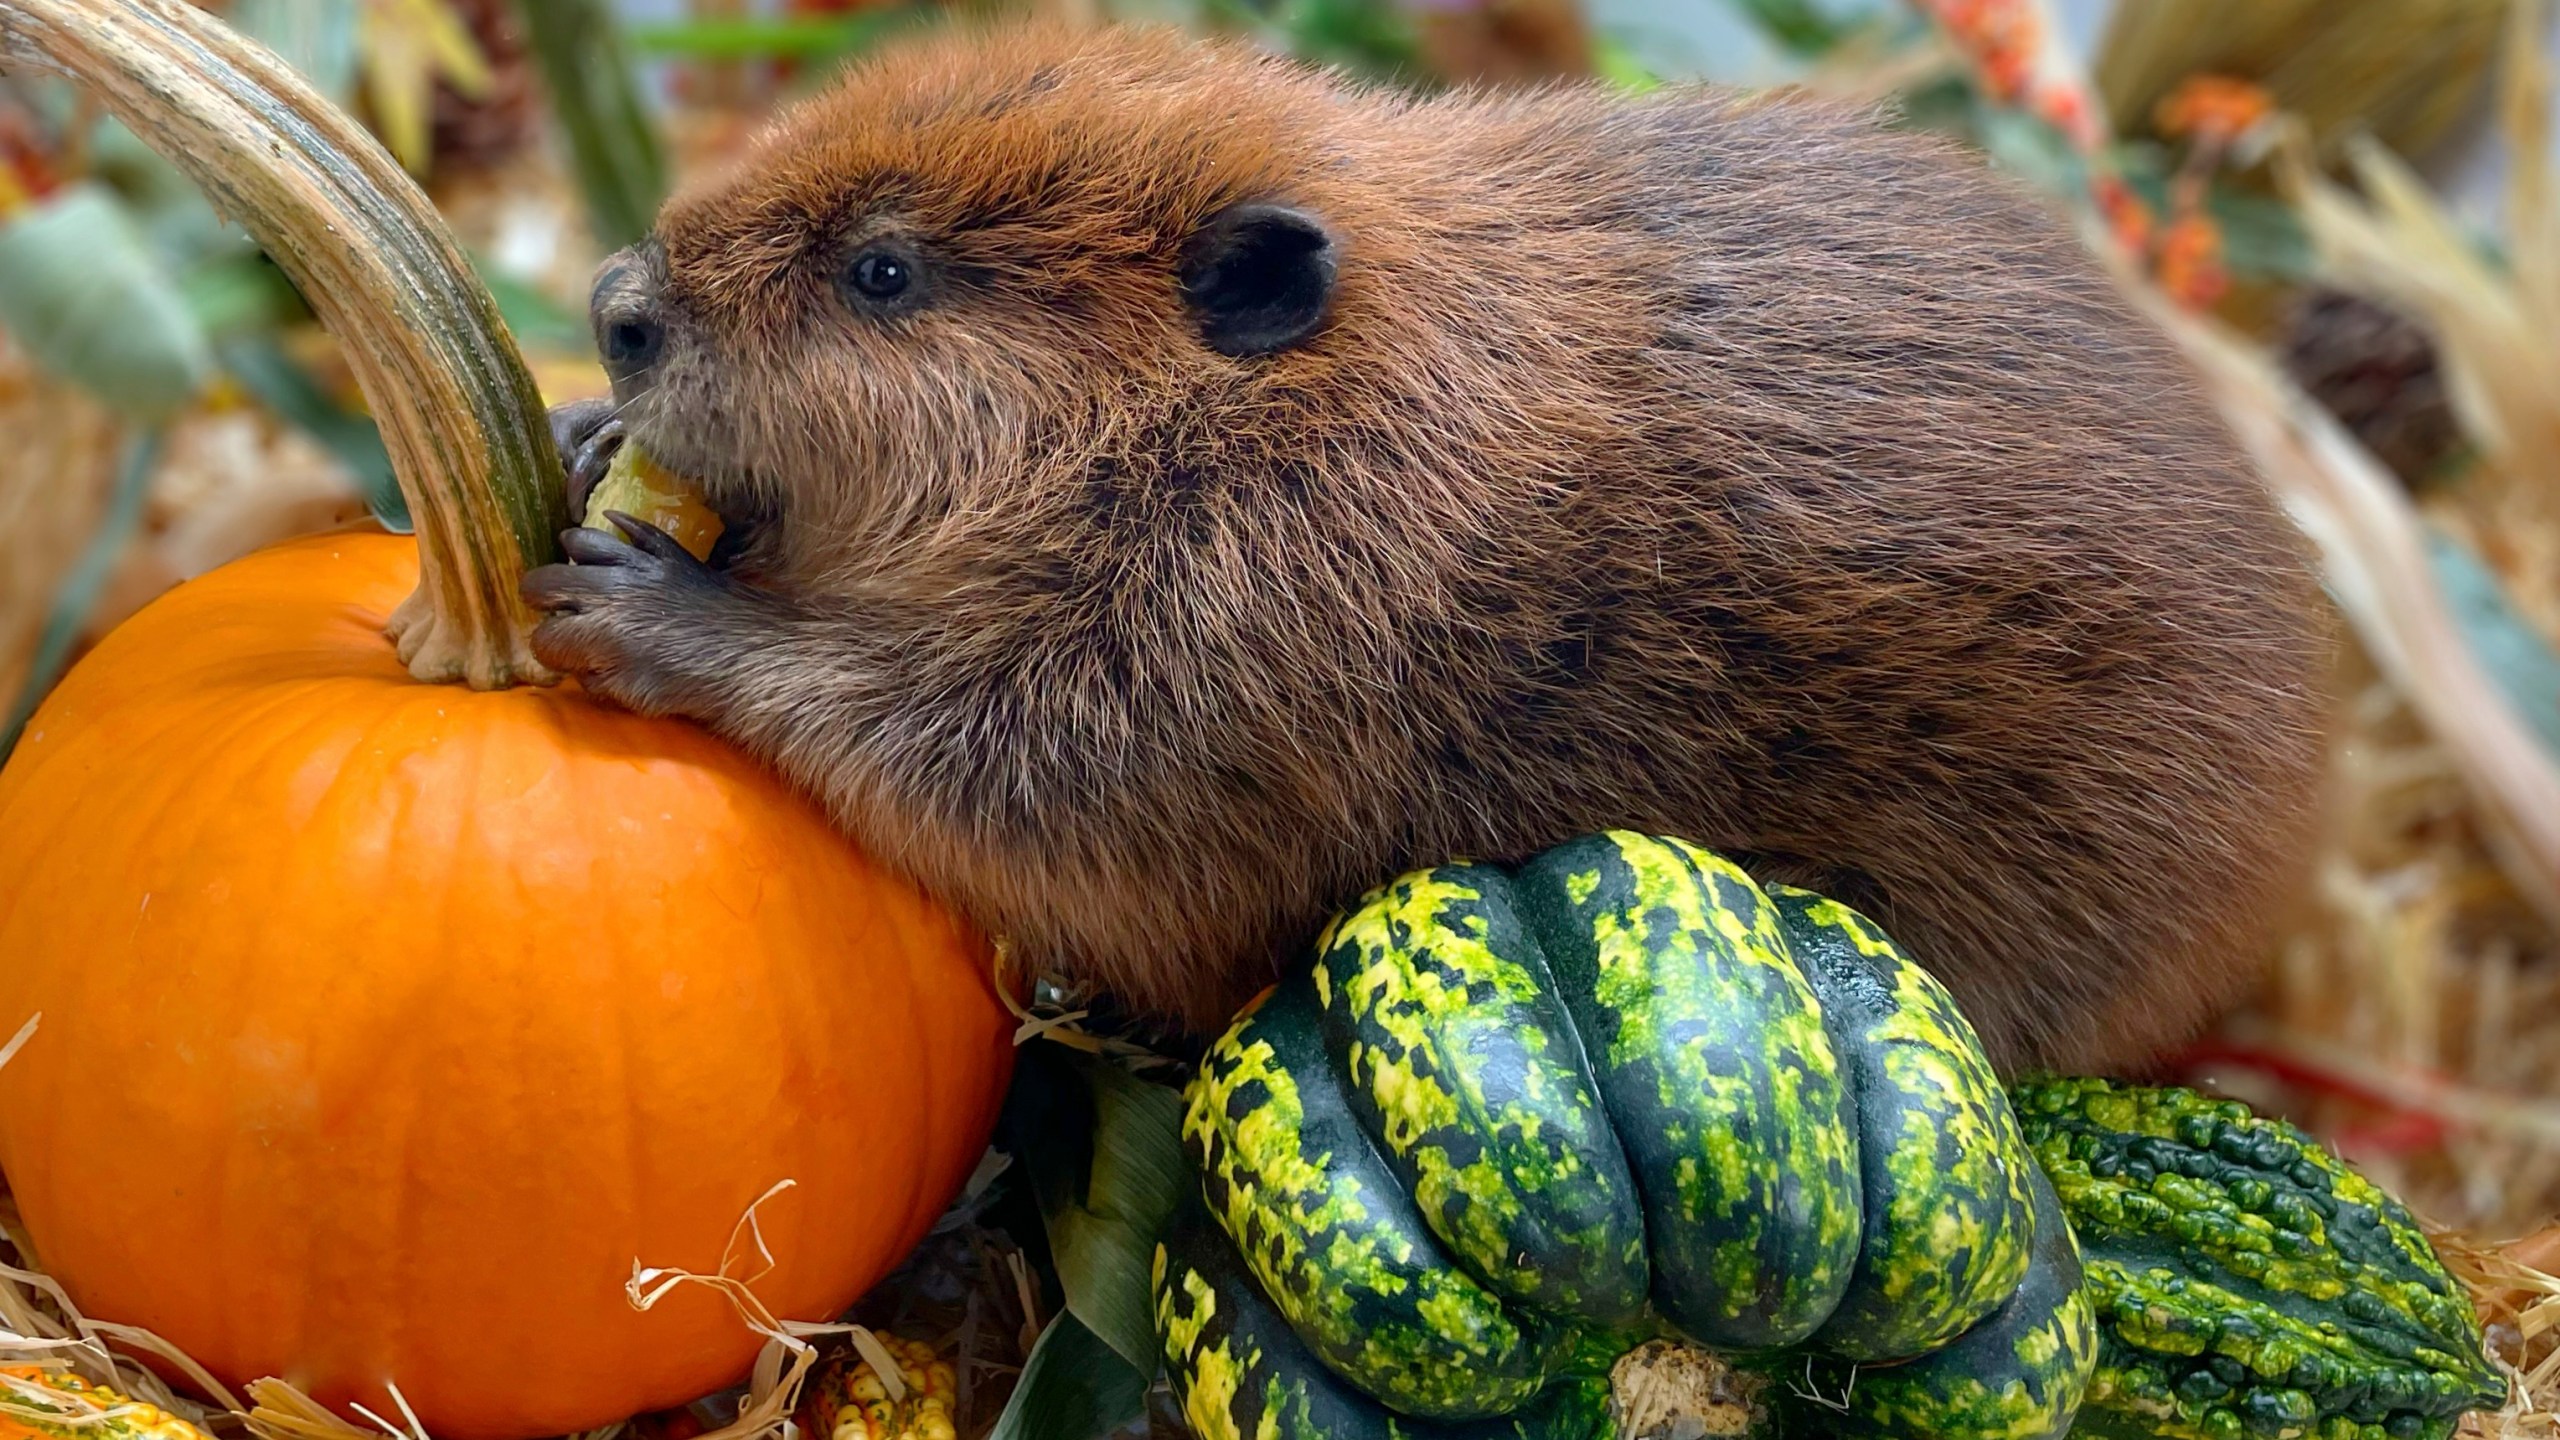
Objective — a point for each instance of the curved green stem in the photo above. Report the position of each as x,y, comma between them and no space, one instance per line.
458,410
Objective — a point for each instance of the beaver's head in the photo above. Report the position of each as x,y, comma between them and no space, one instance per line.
974,259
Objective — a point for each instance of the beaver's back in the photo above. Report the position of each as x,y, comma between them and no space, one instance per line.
1893,549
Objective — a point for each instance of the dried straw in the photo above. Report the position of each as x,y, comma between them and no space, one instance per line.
782,1368
2519,1304
2415,1019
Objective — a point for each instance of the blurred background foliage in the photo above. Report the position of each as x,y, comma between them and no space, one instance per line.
2352,201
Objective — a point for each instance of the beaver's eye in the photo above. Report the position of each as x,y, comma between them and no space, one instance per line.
880,275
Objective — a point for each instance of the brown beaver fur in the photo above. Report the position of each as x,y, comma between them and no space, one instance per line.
1180,490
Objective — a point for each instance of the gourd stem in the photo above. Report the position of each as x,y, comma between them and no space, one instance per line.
458,409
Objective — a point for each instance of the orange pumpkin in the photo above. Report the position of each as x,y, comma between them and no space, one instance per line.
386,1026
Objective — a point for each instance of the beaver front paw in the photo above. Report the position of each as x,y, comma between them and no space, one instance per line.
640,623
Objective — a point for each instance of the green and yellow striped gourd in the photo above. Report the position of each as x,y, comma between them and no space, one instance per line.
1504,1126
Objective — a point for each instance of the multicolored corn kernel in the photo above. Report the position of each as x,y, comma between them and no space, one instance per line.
1718,1078
1464,1067
2246,1282
1949,1214
58,1405
846,1398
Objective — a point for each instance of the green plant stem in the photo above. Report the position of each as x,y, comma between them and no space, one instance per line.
458,410
613,144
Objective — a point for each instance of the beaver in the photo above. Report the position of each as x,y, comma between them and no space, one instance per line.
1174,490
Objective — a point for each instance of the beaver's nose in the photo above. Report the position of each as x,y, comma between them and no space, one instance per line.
630,326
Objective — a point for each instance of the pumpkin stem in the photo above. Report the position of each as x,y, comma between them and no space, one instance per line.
458,409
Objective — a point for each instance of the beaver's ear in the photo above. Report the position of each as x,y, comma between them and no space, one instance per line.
1258,278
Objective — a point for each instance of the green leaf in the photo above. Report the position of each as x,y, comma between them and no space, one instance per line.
1073,1387
809,41
240,292
1941,105
316,37
613,140
82,291
1103,1150
271,376
1617,63
2262,237
1798,26
2507,645
1359,35
1362,37
533,317
2030,148
1105,1248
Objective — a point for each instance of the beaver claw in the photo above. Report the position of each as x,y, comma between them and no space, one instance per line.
631,620
586,433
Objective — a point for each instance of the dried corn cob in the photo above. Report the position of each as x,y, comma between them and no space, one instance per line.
41,1404
847,1399
645,490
